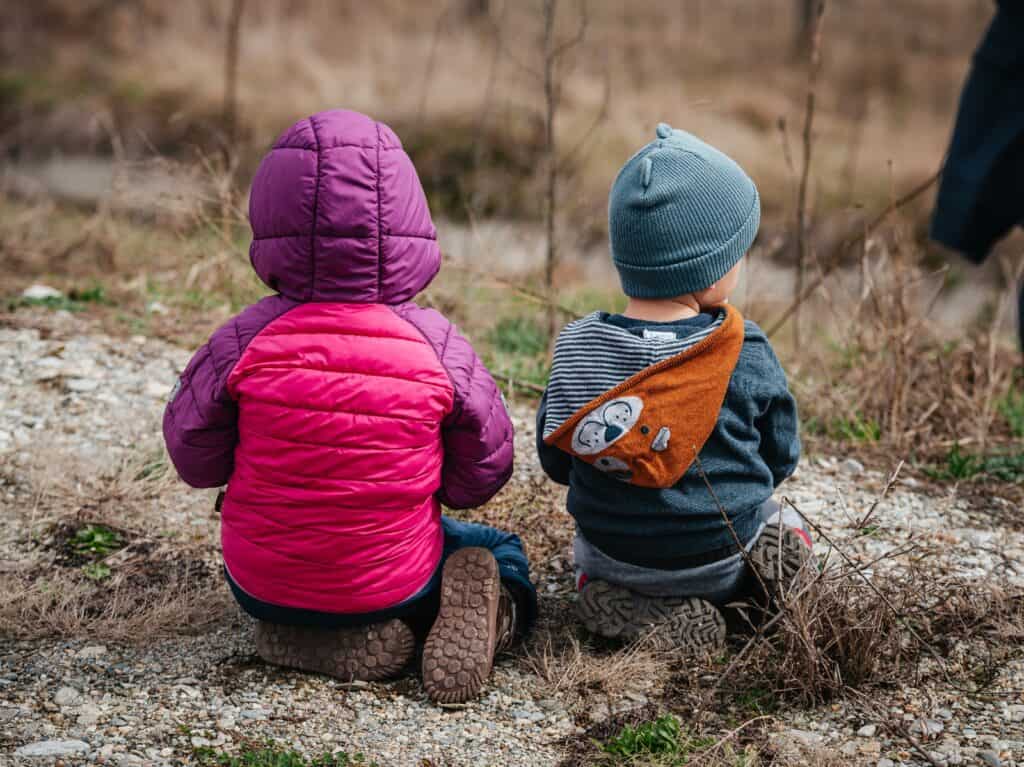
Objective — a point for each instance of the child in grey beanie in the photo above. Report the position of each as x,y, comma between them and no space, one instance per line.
672,423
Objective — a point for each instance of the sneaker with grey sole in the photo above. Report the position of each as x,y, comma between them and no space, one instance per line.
781,559
689,624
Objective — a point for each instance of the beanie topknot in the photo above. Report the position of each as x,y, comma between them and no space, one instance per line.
681,214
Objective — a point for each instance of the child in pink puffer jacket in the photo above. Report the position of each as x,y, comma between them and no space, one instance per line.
341,416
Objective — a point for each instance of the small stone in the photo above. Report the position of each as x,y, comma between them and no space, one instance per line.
49,749
885,763
944,713
81,385
990,758
155,307
88,715
40,292
67,696
1015,713
970,733
927,727
870,748
92,651
156,390
851,467
868,731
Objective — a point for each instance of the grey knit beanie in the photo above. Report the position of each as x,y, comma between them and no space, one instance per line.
681,214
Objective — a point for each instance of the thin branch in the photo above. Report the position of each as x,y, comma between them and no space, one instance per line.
848,245
885,492
813,67
514,383
231,55
428,71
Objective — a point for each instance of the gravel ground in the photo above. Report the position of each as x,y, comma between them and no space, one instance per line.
73,398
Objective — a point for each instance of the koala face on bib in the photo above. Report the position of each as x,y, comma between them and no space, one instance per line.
606,425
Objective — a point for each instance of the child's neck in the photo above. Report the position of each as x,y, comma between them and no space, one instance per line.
662,309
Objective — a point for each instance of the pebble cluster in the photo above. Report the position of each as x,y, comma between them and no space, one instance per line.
68,390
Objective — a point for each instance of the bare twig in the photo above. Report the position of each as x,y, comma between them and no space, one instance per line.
848,245
885,492
813,67
231,54
515,383
428,70
728,522
550,9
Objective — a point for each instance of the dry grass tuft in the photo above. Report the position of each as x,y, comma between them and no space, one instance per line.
88,560
571,669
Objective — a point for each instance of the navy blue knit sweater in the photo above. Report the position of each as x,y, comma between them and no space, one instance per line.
753,448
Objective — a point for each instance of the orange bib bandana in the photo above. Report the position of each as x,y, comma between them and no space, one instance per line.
649,429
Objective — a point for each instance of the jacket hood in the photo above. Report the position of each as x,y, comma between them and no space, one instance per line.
339,214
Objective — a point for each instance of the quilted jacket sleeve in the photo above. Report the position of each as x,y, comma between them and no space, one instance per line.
478,449
201,420
477,433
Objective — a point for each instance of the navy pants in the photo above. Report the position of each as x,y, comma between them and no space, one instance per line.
420,610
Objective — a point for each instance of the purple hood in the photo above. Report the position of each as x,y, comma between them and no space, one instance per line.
339,214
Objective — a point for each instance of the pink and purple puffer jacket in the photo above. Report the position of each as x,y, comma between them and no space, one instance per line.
339,414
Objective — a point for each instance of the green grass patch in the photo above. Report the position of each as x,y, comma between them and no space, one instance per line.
758,701
272,755
1011,408
854,428
517,349
961,466
76,300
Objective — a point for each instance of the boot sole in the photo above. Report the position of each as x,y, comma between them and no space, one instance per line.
459,651
366,653
780,557
686,624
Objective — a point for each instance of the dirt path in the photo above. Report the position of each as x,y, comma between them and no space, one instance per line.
148,662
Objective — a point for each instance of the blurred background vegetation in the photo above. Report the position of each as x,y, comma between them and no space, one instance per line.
129,132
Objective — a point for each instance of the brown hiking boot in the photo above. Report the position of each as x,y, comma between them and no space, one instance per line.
687,624
367,653
507,621
459,651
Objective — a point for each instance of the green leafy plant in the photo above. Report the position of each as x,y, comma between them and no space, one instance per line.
662,737
96,540
96,571
272,755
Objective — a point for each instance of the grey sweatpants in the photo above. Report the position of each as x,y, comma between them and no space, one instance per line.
718,582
